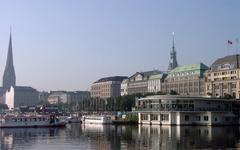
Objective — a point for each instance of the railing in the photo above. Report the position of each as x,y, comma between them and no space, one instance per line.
183,109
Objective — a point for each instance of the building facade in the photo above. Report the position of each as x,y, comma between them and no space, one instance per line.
224,77
138,83
43,96
21,96
124,87
56,97
107,87
155,83
186,110
186,80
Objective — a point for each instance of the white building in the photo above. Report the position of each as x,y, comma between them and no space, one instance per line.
56,97
186,110
154,83
124,87
21,96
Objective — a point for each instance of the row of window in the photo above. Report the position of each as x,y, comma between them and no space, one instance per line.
224,78
197,118
27,119
163,117
224,73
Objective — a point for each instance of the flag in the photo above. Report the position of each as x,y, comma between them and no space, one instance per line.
230,42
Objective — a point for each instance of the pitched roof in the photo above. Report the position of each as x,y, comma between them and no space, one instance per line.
227,62
190,69
147,73
24,88
114,78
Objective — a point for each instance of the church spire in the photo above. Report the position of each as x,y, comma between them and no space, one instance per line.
9,78
173,57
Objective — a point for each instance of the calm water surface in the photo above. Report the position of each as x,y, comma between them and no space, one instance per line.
91,137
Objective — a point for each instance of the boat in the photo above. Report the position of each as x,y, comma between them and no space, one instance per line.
96,119
14,121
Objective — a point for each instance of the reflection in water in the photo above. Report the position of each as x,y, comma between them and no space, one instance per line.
23,136
76,136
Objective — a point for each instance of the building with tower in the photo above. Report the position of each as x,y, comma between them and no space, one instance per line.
173,57
9,78
186,80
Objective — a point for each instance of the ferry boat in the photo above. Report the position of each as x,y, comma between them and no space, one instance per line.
96,119
13,121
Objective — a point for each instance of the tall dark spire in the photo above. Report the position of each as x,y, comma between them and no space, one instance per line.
9,78
173,57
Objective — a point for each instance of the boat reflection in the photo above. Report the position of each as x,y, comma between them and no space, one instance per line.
13,136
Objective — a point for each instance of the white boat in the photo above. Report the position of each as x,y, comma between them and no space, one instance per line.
13,121
96,119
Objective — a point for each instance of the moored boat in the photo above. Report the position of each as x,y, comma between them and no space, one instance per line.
97,119
13,121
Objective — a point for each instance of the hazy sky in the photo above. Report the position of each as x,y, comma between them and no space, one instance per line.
68,44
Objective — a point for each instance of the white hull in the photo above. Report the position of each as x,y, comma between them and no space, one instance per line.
14,122
96,120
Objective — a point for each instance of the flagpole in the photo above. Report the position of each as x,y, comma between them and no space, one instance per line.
228,49
237,45
228,46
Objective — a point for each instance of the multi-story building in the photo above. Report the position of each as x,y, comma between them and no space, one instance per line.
107,87
155,82
21,96
124,87
138,83
224,77
186,80
43,96
56,97
186,110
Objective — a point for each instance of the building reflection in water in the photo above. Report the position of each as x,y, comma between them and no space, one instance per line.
24,136
187,137
108,137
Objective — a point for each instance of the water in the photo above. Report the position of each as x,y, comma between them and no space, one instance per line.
102,137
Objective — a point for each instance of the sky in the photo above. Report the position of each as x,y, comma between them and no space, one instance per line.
69,44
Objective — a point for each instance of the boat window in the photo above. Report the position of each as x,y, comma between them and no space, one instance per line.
35,119
205,118
40,119
44,119
25,119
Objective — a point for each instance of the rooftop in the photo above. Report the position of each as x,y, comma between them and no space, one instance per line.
227,62
24,88
190,69
157,76
114,78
